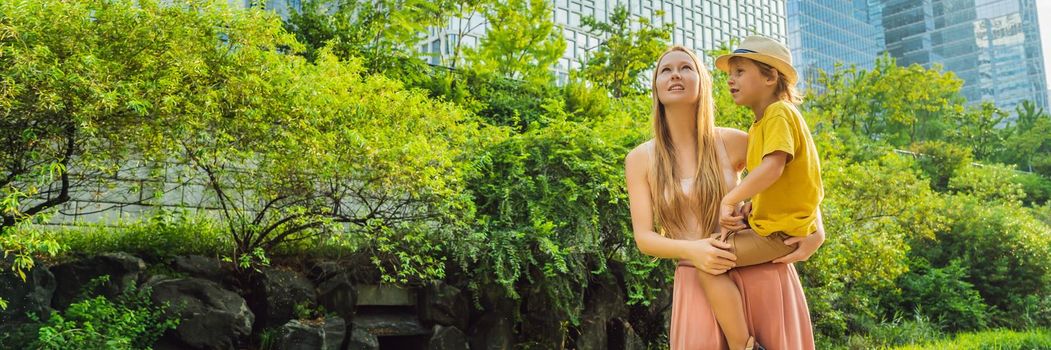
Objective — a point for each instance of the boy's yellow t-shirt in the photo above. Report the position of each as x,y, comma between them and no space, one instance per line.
790,204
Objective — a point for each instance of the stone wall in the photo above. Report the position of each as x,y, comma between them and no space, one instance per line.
221,308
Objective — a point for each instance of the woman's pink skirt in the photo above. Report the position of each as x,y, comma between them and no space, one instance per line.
775,309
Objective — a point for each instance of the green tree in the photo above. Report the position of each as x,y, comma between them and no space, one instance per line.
467,11
522,42
384,33
286,148
941,160
81,81
297,149
619,61
886,104
1028,143
980,129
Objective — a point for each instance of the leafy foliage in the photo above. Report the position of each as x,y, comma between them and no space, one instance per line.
521,43
630,49
328,131
131,321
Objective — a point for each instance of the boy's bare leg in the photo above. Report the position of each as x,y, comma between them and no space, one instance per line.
726,302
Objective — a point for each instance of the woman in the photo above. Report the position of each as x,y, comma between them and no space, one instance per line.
675,183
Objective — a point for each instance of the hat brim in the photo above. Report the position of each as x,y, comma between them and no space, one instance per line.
723,64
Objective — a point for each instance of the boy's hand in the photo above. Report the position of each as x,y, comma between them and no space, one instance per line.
729,219
745,210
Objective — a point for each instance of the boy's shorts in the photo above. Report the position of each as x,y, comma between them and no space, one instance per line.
753,249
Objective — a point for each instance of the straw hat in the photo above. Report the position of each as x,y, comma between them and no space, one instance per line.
762,49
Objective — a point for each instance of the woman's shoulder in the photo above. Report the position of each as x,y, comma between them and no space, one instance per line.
641,152
730,132
638,160
732,136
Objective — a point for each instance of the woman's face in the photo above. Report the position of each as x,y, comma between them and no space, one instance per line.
677,79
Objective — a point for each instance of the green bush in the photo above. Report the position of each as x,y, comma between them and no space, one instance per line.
943,295
992,183
131,321
165,234
941,161
871,210
1042,213
1003,250
508,102
548,200
1037,188
552,206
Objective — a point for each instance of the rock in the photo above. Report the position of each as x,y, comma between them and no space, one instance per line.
298,335
386,295
493,298
123,270
200,266
30,296
447,338
390,324
623,337
323,270
541,327
276,293
604,300
169,343
444,305
592,334
361,339
492,331
211,317
651,321
337,294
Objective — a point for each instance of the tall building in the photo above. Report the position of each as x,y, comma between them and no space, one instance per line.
699,24
824,33
993,45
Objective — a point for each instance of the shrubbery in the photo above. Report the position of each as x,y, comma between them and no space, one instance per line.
330,148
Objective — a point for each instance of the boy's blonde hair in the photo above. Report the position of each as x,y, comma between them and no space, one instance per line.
784,91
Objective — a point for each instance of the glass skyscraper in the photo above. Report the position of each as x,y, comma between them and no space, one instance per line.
699,24
822,33
993,45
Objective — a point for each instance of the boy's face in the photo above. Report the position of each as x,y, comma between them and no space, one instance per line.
747,85
677,79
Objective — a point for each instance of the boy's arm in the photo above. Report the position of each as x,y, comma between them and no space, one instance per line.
759,179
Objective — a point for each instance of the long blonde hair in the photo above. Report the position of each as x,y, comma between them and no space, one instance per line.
669,200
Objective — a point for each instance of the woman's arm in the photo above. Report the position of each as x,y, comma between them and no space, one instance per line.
708,255
736,142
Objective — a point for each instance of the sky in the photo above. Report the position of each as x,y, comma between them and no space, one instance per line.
1043,9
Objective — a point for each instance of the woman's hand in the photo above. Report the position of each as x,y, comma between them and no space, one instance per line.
711,255
807,246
